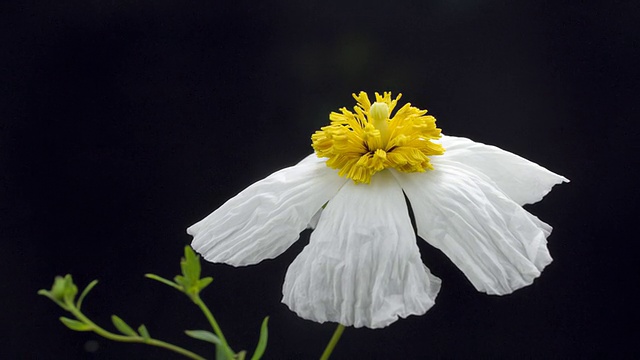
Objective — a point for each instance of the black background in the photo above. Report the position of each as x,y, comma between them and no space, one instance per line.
124,122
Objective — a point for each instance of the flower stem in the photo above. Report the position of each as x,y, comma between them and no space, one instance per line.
133,339
333,342
214,325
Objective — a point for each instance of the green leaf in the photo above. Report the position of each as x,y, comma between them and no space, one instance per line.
182,282
48,294
190,265
122,326
204,336
75,324
58,287
221,354
69,289
144,333
85,292
204,282
262,342
164,281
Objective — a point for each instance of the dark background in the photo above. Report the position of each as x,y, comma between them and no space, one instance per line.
124,122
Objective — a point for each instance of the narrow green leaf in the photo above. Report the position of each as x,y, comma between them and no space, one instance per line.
262,342
75,324
47,293
181,282
85,292
241,355
204,282
58,302
69,289
59,286
144,333
184,268
122,326
190,265
164,281
221,354
204,336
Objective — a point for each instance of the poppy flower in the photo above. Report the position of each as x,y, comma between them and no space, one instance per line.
362,266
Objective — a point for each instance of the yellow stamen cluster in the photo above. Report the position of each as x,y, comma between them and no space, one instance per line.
367,141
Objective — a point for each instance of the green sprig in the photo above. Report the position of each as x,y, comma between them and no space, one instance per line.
63,293
190,283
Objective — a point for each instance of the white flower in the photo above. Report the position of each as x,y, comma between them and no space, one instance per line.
362,266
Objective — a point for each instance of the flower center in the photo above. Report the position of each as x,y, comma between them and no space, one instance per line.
368,141
379,116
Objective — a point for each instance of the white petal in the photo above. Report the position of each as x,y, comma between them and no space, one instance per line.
267,217
362,266
522,180
314,220
498,245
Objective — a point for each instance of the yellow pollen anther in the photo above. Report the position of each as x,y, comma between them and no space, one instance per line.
368,141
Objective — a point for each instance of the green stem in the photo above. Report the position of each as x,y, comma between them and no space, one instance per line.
333,342
214,325
132,339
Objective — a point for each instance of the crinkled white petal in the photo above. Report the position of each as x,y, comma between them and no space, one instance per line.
362,266
522,180
498,245
314,220
263,220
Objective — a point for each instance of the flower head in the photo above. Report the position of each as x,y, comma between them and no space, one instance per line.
362,266
363,143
